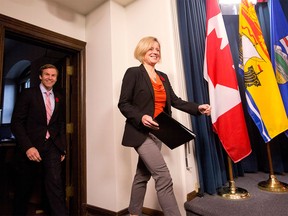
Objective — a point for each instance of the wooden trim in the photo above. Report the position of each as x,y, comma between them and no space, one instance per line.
152,212
2,37
25,29
96,211
191,195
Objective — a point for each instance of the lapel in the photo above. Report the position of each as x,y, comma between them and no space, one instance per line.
40,101
56,108
147,80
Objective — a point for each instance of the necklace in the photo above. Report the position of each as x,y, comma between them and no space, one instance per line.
152,73
153,76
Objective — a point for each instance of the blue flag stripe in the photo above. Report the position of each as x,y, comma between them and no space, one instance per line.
255,115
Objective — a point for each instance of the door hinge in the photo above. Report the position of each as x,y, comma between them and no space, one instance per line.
69,191
70,70
69,128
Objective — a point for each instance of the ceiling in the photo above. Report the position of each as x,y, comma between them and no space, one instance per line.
13,46
84,7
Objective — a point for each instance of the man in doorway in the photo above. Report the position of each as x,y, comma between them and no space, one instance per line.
38,125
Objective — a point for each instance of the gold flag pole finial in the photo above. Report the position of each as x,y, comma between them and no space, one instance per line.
272,184
232,192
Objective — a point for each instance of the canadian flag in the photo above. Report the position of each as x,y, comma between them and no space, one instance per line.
227,112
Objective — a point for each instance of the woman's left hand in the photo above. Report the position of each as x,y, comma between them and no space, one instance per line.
205,109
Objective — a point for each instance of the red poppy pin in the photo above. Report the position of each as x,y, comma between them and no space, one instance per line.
162,78
56,99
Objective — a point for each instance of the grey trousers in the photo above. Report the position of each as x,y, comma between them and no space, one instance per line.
151,163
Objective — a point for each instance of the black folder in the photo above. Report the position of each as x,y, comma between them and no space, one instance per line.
171,132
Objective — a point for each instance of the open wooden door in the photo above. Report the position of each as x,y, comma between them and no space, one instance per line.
68,55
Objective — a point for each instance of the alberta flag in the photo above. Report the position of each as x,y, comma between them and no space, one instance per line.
265,104
279,48
227,112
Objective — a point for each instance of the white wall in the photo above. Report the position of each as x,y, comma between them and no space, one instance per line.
111,33
108,163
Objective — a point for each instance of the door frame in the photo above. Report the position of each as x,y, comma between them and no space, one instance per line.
77,47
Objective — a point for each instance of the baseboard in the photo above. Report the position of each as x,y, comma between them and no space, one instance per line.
152,212
96,211
191,196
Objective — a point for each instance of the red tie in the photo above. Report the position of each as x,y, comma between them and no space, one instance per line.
48,110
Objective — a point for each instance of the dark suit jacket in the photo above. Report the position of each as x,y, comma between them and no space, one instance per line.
137,99
29,124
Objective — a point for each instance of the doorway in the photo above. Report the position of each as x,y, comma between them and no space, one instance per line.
23,49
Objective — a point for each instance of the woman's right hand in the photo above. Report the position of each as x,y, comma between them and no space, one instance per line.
148,121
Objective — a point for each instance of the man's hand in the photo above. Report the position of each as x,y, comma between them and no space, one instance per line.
33,154
62,157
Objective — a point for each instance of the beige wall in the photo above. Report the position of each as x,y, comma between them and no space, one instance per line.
108,163
111,32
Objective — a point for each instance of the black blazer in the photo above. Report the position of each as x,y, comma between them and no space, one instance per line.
137,99
29,122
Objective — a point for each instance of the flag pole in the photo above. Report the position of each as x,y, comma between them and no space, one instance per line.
232,192
272,184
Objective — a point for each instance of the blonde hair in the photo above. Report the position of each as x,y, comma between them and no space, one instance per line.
143,46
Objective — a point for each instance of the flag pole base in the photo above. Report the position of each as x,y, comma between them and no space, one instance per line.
273,185
233,193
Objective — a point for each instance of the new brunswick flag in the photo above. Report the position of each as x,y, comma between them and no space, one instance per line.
264,100
227,112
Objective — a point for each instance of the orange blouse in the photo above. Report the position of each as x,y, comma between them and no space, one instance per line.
160,96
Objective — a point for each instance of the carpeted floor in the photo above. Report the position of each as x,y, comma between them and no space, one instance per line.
260,203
